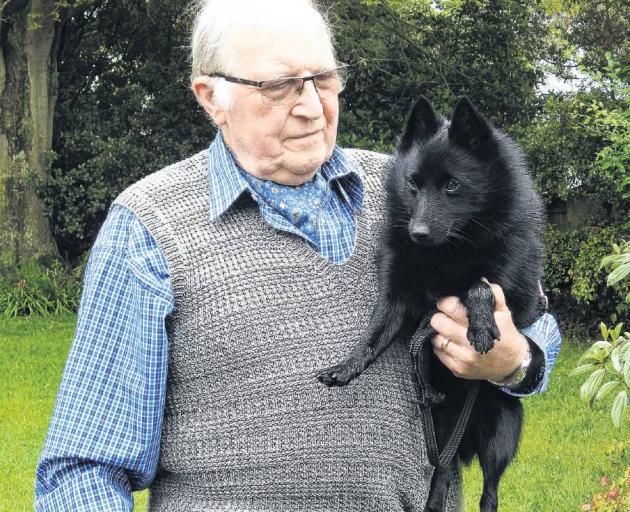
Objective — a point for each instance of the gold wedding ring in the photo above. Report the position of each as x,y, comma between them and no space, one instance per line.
445,343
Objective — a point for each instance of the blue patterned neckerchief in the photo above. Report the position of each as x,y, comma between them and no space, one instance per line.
300,205
322,211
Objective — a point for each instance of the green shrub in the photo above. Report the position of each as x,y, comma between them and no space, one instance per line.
588,276
578,146
618,263
561,152
574,279
608,362
40,287
614,124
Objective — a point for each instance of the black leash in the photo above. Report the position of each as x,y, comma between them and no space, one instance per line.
427,399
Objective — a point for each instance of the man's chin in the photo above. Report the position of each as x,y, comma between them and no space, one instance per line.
307,162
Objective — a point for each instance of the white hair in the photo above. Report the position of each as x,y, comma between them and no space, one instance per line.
223,94
217,18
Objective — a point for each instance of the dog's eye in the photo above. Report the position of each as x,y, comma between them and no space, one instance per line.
451,185
412,185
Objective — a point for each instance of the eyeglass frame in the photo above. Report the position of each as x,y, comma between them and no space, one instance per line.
259,83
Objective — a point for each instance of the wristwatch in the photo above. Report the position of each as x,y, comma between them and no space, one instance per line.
517,377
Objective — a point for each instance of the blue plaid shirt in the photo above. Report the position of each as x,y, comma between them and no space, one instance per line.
104,436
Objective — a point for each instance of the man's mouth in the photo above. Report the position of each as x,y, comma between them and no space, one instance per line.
306,134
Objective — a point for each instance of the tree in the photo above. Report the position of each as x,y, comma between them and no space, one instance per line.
585,30
125,110
29,44
487,50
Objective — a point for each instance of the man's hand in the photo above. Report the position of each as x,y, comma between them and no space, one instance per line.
460,357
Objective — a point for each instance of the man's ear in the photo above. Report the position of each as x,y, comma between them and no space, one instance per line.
204,92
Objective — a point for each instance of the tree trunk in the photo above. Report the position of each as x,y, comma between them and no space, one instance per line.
29,43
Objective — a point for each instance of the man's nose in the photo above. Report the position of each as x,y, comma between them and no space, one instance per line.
309,103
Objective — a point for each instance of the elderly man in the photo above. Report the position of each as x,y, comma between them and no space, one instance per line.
220,285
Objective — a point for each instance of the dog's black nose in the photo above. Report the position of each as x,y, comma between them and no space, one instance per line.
419,233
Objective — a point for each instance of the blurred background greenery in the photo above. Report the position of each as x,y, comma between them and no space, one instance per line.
94,95
552,73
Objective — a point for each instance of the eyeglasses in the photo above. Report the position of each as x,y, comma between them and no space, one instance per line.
286,90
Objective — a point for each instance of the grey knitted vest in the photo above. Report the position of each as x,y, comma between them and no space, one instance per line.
247,427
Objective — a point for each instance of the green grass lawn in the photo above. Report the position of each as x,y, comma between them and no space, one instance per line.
561,458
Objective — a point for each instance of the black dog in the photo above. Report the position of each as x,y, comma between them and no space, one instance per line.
460,205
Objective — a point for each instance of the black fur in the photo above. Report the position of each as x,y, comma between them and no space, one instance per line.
461,206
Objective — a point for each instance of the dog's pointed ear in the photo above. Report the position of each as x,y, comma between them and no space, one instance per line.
422,123
470,129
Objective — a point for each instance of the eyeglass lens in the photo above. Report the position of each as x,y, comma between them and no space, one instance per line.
287,90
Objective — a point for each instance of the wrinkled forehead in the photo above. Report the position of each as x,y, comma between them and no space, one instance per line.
272,43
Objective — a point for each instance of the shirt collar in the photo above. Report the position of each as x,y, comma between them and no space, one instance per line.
348,177
225,183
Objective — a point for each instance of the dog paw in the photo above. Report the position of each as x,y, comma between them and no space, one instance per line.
482,337
338,375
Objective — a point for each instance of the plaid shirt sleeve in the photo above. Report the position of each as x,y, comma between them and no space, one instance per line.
545,334
104,436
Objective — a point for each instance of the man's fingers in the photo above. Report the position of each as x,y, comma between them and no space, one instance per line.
441,344
449,356
444,358
454,308
449,328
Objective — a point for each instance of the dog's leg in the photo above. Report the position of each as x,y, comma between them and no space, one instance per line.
389,321
480,304
440,484
498,444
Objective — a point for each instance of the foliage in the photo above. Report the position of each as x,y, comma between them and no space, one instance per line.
586,30
618,453
608,362
614,498
124,110
486,50
586,270
561,152
578,147
40,287
574,278
614,124
578,151
562,249
618,264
